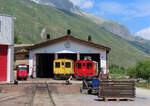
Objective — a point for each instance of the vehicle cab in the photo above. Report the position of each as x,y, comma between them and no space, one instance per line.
85,68
22,72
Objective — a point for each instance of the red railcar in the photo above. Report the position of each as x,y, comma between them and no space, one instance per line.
22,72
85,68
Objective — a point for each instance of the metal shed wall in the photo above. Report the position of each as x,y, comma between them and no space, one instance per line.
6,30
7,39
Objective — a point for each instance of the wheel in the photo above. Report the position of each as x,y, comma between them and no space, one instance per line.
55,77
90,91
81,90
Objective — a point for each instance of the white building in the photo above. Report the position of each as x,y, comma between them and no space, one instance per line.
41,56
6,48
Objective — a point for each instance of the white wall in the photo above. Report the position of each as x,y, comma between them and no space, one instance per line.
67,46
6,30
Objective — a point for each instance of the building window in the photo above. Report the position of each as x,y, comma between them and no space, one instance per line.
26,56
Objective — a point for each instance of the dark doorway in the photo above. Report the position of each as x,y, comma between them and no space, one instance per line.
44,65
71,56
94,57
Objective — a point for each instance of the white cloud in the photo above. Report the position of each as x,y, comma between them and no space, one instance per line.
76,2
84,4
129,10
111,7
87,5
145,33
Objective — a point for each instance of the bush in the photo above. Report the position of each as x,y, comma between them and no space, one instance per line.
115,69
141,70
131,72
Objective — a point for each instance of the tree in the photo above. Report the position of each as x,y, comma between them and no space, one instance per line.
115,69
17,39
140,70
131,71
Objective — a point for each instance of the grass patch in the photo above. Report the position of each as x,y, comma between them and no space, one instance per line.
117,75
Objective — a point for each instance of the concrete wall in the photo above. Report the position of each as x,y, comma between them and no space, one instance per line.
67,46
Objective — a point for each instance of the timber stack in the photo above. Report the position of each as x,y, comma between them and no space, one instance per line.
117,89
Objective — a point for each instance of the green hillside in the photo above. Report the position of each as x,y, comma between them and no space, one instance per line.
31,19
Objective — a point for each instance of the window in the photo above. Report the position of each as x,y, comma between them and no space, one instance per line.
62,63
78,65
83,64
89,65
26,56
67,65
57,64
22,69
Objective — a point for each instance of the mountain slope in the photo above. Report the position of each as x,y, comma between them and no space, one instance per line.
111,26
32,19
59,4
121,31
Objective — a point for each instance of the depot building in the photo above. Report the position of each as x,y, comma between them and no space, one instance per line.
42,55
6,48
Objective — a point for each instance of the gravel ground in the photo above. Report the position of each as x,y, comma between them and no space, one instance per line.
142,99
23,94
48,80
16,95
63,95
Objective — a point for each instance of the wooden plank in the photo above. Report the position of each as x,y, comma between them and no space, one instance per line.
117,99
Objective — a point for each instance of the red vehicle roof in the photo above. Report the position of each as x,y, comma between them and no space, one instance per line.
83,61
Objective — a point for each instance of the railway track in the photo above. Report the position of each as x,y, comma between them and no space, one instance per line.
42,95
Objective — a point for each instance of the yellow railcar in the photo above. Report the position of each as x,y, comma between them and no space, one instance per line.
63,68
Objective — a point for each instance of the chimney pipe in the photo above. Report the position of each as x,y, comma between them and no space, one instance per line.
68,32
48,36
89,38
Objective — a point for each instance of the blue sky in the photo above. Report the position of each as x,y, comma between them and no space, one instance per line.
134,14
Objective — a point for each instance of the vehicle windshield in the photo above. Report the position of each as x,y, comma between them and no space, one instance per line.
22,69
78,65
67,64
89,65
57,64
